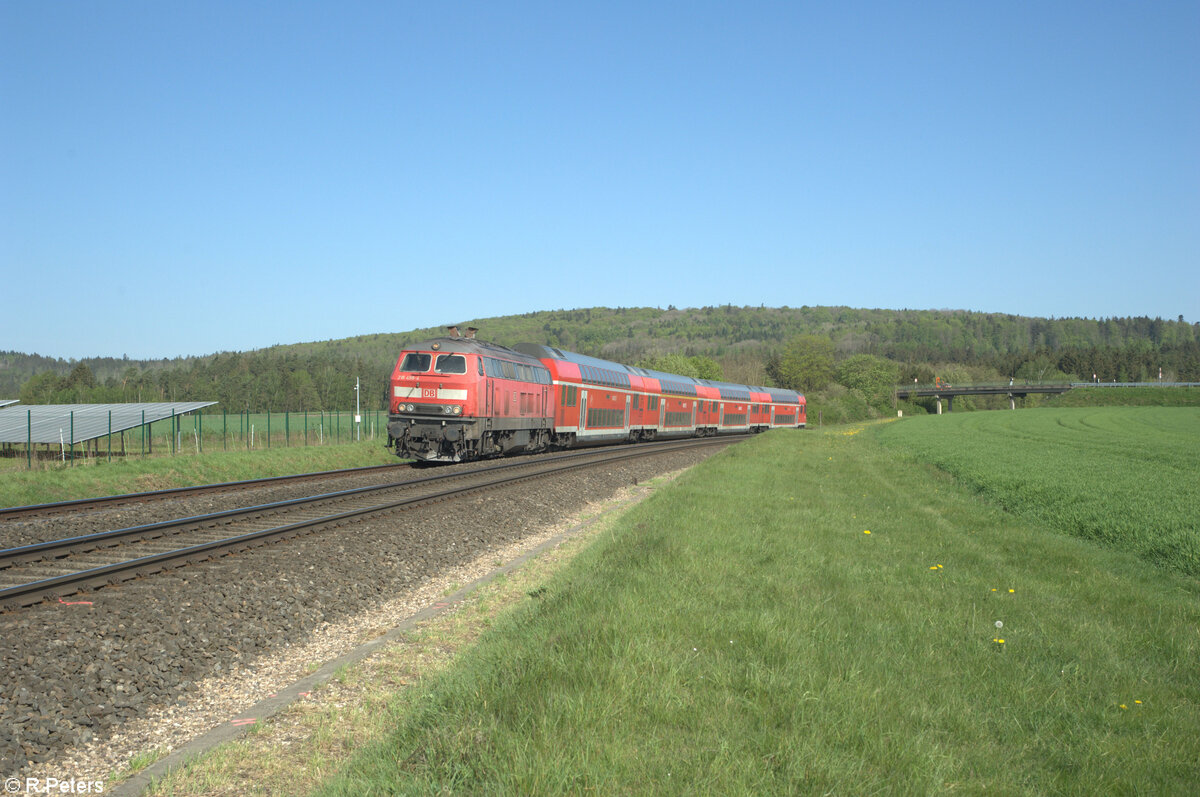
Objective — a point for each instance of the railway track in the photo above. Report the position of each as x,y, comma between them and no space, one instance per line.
55,569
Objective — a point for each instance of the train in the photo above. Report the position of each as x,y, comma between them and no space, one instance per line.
457,398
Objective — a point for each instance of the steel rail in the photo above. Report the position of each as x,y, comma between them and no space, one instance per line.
90,542
50,588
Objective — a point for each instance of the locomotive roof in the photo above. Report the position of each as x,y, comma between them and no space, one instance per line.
471,346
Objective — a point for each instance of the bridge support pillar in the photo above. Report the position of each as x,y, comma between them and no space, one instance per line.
950,403
1012,401
939,405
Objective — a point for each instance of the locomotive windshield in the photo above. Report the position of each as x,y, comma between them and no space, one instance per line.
415,362
450,364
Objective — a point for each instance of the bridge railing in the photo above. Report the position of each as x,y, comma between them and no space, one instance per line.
1027,384
980,385
1135,384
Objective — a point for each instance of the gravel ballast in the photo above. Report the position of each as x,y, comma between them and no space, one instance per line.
76,674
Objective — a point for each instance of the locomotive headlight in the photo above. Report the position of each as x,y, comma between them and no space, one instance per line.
458,410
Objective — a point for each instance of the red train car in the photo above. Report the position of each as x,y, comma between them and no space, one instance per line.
457,398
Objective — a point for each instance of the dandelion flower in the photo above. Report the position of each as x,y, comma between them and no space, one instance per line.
1012,590
1124,706
1138,702
999,623
866,531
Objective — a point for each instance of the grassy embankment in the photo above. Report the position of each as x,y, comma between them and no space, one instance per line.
1126,397
844,619
91,478
837,404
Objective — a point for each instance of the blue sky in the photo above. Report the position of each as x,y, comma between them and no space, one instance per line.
190,177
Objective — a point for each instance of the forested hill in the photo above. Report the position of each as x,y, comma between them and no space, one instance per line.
320,375
627,334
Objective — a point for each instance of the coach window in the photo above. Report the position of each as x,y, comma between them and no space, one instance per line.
415,363
450,364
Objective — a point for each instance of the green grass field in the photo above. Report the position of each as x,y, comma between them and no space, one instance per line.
813,612
1126,477
749,639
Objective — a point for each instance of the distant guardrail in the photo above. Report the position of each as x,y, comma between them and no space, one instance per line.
1017,388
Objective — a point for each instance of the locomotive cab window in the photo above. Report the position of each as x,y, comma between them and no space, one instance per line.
450,364
415,363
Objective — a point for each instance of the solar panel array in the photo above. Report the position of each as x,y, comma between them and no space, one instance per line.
74,423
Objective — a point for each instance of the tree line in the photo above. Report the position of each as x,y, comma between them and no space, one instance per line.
255,381
808,348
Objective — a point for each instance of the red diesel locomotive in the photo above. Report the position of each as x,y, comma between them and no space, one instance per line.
457,398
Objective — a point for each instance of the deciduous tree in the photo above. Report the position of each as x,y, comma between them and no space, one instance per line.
806,364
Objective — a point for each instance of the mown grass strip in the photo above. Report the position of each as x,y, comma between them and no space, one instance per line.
294,752
742,632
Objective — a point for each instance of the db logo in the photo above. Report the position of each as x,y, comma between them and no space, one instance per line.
429,392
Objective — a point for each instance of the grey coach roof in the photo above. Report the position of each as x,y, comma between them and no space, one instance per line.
6,402
74,423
